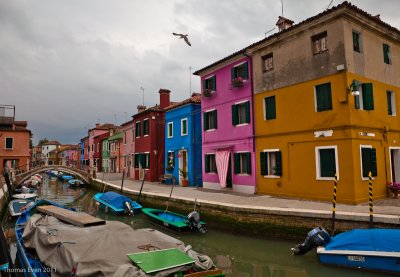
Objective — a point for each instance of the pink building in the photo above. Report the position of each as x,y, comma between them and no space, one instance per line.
92,133
128,129
227,109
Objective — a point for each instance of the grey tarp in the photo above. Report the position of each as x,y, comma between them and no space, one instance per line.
95,251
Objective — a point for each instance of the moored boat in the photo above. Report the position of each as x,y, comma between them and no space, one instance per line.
17,206
98,251
370,249
27,196
176,222
75,183
67,177
117,203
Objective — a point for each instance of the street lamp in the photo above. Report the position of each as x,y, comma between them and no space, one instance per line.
353,88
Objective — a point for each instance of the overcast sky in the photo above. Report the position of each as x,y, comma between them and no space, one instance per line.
67,65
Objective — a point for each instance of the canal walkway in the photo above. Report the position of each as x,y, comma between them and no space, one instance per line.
385,210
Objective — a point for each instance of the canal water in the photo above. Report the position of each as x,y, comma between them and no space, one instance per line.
236,255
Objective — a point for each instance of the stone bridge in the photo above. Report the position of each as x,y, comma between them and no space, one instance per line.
22,177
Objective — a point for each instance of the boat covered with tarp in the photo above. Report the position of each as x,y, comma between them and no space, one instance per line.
176,222
47,244
117,203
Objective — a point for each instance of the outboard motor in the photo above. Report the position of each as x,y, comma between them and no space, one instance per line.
129,207
194,221
316,237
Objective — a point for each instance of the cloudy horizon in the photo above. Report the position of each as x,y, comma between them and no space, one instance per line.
67,65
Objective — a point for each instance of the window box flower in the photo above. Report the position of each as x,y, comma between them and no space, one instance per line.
394,189
237,82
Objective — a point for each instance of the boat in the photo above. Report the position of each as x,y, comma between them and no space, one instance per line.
75,182
370,249
176,222
67,177
96,250
24,189
27,196
117,203
17,206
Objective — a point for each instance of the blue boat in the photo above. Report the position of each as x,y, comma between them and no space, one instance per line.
370,249
117,203
67,177
75,183
17,206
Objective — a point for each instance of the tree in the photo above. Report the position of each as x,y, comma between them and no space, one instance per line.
43,141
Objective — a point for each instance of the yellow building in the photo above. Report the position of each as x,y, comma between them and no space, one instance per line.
326,101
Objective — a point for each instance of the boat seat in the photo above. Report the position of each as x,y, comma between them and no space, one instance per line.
170,217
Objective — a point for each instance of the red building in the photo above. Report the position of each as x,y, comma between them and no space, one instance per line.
98,149
149,138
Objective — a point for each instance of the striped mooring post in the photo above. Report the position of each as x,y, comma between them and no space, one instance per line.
371,203
334,205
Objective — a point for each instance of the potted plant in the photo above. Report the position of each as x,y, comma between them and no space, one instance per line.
237,82
207,92
184,175
394,188
170,166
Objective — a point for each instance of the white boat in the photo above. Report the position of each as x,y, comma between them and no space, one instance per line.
17,206
28,196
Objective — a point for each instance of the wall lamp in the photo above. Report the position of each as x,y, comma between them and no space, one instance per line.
353,88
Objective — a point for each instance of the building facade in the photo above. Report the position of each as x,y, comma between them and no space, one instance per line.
116,152
149,139
128,128
98,145
325,96
49,152
183,140
227,120
94,132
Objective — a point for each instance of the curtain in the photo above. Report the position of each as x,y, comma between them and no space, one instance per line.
222,159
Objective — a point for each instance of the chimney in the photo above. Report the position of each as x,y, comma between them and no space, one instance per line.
97,125
164,98
140,108
284,23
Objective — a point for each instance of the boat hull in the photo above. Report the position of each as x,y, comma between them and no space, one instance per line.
369,260
105,205
173,221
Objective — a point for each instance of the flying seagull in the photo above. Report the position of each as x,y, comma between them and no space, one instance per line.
184,37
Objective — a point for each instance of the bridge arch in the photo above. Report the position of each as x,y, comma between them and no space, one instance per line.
20,178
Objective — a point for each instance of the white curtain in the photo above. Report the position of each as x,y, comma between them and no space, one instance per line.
222,161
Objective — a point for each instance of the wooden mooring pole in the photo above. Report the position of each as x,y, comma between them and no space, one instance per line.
334,205
122,183
371,203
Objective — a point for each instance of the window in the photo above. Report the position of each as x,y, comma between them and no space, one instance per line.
124,137
146,127
356,42
210,164
326,162
271,163
386,54
242,163
137,128
133,135
170,129
319,43
9,143
210,120
391,103
241,113
365,101
240,70
368,161
184,127
210,83
268,62
142,160
269,107
323,97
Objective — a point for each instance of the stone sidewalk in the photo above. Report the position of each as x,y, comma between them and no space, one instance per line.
386,210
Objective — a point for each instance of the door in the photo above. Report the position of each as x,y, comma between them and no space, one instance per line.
183,161
395,164
229,174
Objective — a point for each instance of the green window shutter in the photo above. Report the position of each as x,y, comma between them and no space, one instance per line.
324,97
368,96
214,83
142,158
278,164
235,118
389,102
215,121
247,110
386,58
207,163
245,70
327,162
263,163
236,163
374,168
136,160
248,163
366,161
233,75
205,122
270,107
